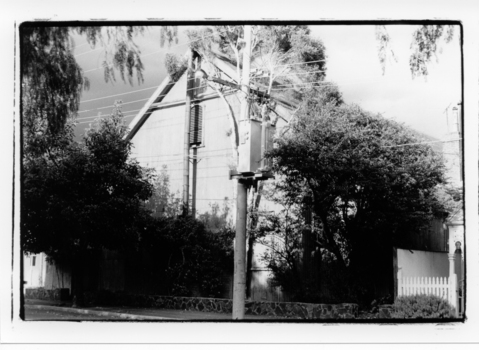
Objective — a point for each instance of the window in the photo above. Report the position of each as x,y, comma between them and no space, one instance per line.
34,258
196,125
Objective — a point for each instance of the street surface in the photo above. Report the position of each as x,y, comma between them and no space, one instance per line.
32,314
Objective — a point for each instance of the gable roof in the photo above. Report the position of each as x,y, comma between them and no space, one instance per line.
220,61
166,85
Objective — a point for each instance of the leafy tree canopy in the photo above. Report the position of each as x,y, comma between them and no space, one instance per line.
279,51
365,178
82,197
52,80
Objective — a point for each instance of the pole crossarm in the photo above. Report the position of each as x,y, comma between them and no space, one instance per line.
253,90
260,175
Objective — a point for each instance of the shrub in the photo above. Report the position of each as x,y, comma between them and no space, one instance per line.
422,306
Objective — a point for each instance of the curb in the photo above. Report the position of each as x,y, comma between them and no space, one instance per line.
98,313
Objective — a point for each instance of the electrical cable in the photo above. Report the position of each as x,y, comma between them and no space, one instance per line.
124,103
151,53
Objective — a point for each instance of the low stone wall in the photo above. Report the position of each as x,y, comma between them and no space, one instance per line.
290,310
265,308
60,294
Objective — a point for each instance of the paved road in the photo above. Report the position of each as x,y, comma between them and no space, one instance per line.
32,314
49,312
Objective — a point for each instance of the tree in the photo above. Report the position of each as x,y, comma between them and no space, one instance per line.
52,80
367,179
424,46
80,198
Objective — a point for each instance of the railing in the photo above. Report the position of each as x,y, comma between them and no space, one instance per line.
443,287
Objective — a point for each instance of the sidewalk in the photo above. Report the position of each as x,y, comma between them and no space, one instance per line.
144,313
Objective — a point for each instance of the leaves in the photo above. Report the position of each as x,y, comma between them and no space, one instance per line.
367,189
52,80
175,67
84,196
424,46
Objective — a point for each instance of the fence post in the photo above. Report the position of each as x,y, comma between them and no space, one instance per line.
400,282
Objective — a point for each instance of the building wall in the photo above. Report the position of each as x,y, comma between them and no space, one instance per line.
57,277
417,263
44,274
34,270
159,142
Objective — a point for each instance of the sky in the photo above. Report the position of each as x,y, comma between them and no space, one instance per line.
352,63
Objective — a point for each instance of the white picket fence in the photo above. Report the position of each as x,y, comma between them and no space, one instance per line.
444,287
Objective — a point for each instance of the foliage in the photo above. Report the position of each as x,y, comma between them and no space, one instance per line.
162,202
360,177
274,49
452,199
364,186
175,67
217,219
383,38
281,233
424,46
52,80
82,197
195,259
422,306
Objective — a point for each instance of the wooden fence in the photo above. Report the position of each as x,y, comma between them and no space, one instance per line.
444,287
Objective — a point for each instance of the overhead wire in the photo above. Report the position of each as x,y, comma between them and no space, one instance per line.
151,53
124,103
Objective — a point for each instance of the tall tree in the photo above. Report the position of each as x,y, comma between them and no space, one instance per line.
79,198
369,180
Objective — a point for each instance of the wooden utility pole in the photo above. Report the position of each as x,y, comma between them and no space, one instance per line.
239,281
186,149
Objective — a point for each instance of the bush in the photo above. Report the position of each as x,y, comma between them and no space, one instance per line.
189,259
422,306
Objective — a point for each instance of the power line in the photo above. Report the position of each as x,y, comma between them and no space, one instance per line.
124,103
151,53
124,93
293,64
131,92
87,52
111,106
102,116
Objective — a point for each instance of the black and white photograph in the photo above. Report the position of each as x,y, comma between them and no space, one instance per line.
271,174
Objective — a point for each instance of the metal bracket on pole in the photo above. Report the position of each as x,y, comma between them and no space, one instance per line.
258,176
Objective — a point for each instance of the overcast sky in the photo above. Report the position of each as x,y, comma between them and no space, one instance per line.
352,63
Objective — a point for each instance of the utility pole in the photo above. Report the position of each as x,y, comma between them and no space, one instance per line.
239,280
186,149
193,190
